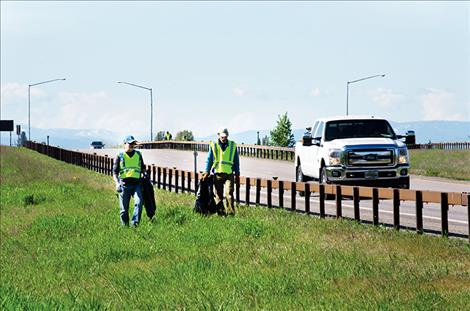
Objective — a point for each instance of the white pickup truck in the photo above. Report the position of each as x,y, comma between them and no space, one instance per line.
353,150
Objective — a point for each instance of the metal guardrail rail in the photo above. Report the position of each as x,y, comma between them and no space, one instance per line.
176,180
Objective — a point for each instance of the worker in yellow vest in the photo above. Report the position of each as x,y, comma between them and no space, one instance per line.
224,162
127,169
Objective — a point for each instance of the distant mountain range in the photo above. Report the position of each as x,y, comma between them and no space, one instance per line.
434,131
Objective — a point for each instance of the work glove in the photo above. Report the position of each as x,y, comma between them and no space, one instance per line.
204,175
118,188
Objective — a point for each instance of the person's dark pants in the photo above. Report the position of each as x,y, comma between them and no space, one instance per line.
124,199
224,181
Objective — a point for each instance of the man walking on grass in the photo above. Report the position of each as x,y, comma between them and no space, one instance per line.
127,170
224,162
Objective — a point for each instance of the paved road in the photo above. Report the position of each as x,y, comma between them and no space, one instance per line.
284,170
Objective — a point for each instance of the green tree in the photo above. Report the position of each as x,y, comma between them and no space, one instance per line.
265,140
160,136
282,135
185,135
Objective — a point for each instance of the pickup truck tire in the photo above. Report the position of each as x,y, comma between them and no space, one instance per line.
300,177
323,179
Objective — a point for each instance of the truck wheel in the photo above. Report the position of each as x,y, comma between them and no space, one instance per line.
300,177
323,179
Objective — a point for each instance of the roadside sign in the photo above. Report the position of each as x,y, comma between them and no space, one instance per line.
6,125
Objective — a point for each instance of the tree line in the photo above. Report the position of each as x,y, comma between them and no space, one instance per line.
280,136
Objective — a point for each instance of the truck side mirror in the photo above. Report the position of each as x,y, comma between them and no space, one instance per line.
307,140
410,137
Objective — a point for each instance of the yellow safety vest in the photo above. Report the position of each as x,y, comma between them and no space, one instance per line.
223,160
130,166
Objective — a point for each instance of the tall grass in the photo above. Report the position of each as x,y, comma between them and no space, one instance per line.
454,164
62,248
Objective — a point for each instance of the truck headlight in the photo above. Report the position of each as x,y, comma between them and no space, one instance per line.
335,157
403,157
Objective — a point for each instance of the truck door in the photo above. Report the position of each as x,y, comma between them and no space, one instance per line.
311,152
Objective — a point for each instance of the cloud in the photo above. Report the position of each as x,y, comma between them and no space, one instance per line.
315,92
385,98
12,92
441,105
239,91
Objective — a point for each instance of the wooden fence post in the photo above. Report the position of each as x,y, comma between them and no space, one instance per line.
339,208
307,198
322,201
258,190
419,212
159,177
269,189
444,213
183,186
396,209
176,180
247,191
281,194
293,193
164,177
375,206
356,199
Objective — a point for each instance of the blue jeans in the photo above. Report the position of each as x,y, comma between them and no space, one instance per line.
124,198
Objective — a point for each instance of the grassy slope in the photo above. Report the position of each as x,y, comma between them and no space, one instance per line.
62,247
453,164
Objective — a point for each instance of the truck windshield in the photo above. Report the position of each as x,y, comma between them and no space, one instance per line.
358,129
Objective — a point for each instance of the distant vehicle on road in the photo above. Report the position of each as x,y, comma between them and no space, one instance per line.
96,145
353,150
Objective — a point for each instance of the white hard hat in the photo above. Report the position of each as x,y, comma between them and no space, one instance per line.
222,131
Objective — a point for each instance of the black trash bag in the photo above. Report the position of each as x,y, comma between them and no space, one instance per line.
149,195
205,203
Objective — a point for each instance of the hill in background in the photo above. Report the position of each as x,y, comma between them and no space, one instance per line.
434,131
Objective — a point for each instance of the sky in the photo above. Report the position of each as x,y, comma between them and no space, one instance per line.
231,64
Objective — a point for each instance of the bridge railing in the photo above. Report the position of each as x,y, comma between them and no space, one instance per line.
288,193
276,153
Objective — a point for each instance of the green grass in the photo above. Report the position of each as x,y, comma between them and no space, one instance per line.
62,248
454,164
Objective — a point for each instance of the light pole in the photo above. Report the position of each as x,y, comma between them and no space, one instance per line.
29,102
151,104
347,88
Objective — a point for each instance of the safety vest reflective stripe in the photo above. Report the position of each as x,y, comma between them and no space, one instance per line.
130,167
223,160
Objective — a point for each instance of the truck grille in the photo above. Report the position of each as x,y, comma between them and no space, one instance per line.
364,158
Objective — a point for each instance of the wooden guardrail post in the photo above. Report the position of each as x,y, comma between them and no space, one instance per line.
164,178
307,198
322,201
176,180
154,173
183,186
444,213
281,194
375,206
247,191
188,181
269,189
258,190
419,212
356,199
293,193
159,177
339,208
396,209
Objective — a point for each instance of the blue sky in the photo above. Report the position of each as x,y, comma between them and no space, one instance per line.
233,64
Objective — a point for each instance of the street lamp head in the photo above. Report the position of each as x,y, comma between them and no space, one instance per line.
383,75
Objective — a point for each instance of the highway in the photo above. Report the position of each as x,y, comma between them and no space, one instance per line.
284,170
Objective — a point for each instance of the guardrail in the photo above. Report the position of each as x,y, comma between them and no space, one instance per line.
276,153
176,180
